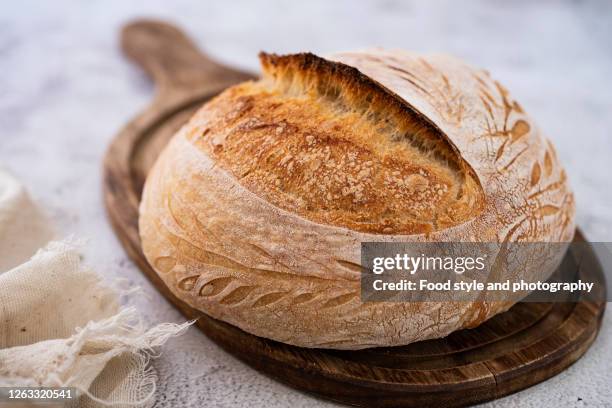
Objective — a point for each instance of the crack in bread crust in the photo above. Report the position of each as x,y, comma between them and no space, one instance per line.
278,261
321,140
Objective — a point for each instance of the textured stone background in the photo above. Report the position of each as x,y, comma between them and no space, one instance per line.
65,90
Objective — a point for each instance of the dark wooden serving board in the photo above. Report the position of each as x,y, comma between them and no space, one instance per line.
524,346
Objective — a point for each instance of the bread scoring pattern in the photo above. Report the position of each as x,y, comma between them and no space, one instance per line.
236,218
493,134
319,139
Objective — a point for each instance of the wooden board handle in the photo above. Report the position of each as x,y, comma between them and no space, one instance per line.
172,59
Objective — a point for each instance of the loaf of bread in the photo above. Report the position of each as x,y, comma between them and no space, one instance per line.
255,211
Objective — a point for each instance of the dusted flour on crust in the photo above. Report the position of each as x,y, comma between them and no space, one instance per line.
255,211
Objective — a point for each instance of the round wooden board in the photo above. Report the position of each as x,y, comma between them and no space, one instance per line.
524,346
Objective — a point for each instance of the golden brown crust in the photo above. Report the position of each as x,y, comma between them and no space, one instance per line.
255,211
321,140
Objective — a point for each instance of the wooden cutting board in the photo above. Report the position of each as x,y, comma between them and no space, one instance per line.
524,346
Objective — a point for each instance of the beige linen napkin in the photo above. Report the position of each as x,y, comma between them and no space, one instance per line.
60,325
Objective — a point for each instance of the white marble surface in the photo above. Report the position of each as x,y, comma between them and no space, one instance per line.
65,90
